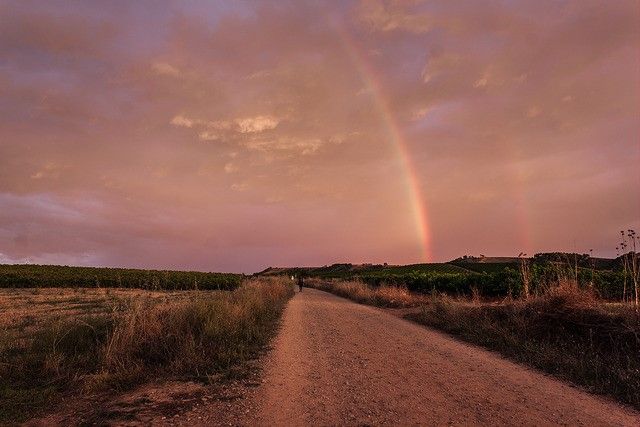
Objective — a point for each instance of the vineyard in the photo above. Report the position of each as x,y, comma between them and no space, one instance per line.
51,276
607,284
489,277
348,271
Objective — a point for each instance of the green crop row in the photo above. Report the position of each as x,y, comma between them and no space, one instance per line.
52,276
347,271
607,284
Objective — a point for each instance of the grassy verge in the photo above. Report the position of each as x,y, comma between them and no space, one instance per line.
380,296
566,331
129,341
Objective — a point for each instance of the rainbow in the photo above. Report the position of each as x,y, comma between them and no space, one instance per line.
412,181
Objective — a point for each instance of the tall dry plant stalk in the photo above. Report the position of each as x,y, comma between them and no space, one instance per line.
622,250
635,240
630,241
525,271
592,264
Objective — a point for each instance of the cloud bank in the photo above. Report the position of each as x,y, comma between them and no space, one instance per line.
234,136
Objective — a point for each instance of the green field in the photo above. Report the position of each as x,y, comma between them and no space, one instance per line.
341,271
490,276
485,267
53,276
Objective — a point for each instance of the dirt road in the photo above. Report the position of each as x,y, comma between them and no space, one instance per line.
336,362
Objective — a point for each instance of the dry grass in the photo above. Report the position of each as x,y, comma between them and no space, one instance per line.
23,309
564,330
55,343
381,296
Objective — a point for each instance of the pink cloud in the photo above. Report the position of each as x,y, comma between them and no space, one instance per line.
233,137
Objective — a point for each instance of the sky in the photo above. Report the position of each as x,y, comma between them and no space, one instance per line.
233,136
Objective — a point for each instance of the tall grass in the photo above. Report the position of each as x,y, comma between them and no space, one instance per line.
195,339
382,296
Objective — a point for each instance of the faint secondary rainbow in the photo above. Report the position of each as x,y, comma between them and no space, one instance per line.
412,182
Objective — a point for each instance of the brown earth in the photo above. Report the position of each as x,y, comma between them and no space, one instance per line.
336,362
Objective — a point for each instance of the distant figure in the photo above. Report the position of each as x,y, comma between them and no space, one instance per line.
300,281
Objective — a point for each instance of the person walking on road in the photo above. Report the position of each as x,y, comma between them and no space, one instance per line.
300,281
